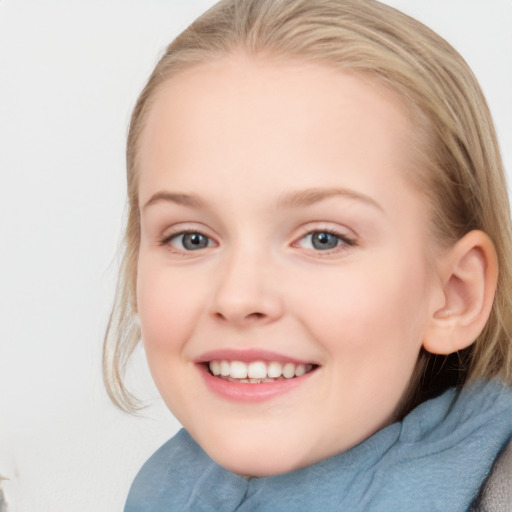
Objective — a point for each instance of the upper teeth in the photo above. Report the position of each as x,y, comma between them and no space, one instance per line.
257,369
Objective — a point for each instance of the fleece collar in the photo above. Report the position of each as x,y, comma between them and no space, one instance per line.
435,459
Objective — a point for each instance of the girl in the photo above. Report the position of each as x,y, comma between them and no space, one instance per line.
317,215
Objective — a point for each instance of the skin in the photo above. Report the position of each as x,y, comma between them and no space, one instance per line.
250,140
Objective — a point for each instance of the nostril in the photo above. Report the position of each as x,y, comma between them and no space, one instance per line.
251,316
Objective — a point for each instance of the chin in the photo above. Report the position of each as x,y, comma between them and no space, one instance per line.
258,458
248,467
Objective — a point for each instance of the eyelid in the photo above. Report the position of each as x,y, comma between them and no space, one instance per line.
182,229
342,237
182,236
347,237
329,227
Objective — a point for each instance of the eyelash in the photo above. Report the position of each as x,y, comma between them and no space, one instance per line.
343,241
167,239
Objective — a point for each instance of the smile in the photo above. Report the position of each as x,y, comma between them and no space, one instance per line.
257,372
253,375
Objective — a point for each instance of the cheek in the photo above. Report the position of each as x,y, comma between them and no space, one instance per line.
168,307
370,319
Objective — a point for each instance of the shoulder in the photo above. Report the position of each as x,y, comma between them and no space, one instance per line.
496,493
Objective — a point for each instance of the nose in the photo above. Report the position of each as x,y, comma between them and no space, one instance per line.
247,291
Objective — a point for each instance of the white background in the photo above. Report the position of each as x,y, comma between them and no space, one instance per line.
69,76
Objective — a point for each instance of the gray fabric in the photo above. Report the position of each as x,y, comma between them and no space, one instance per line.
496,494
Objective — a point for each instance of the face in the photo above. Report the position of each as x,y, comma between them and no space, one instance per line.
283,279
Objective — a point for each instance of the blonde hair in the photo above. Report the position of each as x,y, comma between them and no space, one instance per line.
462,172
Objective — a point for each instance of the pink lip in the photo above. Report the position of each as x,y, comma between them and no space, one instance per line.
247,356
246,392
243,392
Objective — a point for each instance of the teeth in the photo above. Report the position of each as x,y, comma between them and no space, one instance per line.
215,367
288,370
238,370
300,370
274,370
224,368
257,371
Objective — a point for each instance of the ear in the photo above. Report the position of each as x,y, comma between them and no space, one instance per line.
468,276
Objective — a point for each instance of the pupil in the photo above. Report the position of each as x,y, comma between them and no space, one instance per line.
194,241
324,241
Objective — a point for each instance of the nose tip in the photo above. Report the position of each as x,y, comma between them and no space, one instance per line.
245,296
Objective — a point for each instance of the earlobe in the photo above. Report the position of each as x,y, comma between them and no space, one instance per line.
469,274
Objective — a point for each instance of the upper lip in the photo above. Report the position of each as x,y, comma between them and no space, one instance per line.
247,356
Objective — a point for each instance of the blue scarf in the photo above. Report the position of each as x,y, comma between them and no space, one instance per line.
436,459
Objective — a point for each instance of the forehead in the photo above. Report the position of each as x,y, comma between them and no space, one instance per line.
253,119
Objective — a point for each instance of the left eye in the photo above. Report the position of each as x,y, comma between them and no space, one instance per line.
190,241
321,241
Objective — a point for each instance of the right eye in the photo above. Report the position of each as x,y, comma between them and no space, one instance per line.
190,241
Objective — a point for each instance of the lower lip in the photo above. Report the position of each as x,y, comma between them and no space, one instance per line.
246,392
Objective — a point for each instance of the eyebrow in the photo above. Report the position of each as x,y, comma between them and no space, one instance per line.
177,198
301,198
293,199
